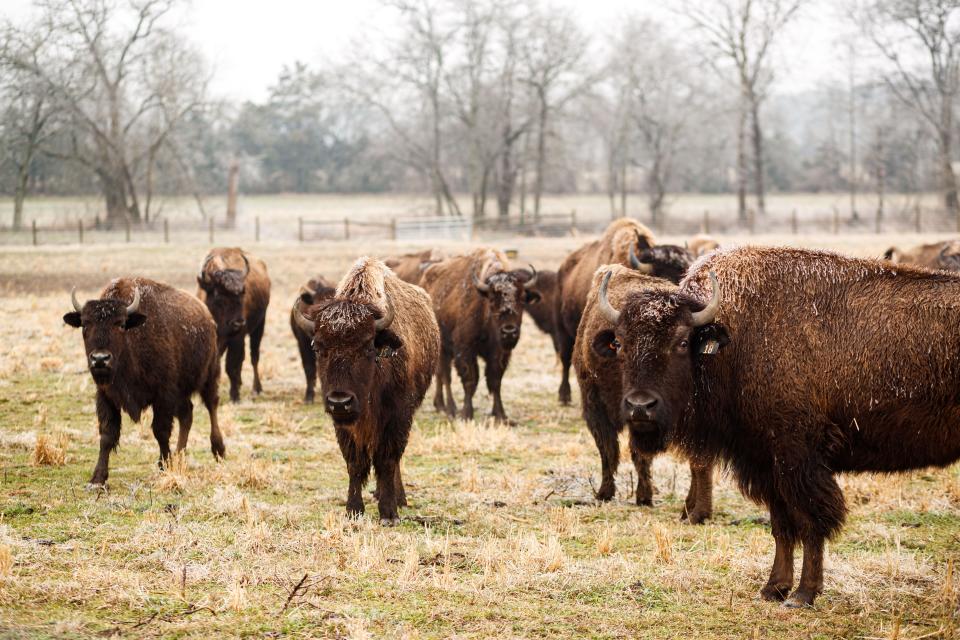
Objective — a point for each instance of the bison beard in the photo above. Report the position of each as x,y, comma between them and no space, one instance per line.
601,380
236,289
479,306
833,365
155,351
376,344
316,290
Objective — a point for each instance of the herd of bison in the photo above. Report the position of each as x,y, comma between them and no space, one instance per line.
787,365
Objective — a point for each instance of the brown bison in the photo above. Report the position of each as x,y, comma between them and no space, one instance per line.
793,366
409,267
543,311
316,290
376,344
236,288
938,255
667,261
600,377
619,244
148,345
702,244
479,303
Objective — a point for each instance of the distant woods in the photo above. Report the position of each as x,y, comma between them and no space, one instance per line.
487,105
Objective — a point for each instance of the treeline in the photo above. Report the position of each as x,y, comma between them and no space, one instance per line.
485,104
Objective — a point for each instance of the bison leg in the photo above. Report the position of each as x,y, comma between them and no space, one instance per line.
565,350
401,492
444,385
641,462
109,425
185,418
494,374
309,360
162,426
358,468
469,374
234,366
256,335
211,400
604,433
699,503
386,469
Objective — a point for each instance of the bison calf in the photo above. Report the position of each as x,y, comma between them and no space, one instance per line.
148,345
236,289
376,343
316,290
600,376
479,306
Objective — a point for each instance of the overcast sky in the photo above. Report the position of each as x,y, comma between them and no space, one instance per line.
248,42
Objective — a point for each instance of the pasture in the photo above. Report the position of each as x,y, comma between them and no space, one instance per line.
502,536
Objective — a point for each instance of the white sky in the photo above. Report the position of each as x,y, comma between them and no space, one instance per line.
249,41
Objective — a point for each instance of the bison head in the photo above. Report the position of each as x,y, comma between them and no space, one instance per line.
351,342
667,261
659,338
104,324
506,293
224,291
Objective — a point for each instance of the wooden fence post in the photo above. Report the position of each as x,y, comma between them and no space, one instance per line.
793,221
705,227
127,229
836,221
256,229
300,228
573,221
166,231
393,228
346,228
916,221
80,231
211,230
751,219
33,230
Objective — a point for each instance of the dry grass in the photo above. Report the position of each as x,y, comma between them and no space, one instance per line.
49,450
502,537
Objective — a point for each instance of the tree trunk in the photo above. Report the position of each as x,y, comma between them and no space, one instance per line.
948,178
507,177
233,178
757,137
523,175
742,161
623,186
20,194
541,158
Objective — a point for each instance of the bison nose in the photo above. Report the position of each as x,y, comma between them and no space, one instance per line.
640,406
339,402
237,324
510,329
100,359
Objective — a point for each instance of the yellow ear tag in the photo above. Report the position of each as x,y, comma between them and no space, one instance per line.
710,347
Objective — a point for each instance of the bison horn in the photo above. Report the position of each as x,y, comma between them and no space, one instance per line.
611,314
246,265
135,305
73,299
532,280
382,323
642,267
483,287
302,321
709,312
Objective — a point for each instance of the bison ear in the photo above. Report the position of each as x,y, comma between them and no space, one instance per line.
710,338
605,344
134,320
386,339
306,298
72,319
532,297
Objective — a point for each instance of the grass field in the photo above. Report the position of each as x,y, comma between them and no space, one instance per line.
502,536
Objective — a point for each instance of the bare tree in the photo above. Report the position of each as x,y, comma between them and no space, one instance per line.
920,40
743,32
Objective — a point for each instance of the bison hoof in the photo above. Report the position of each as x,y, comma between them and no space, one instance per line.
96,487
775,592
696,517
389,522
800,600
605,495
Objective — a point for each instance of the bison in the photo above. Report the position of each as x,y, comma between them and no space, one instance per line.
148,345
938,255
316,289
236,289
702,244
377,344
600,377
479,303
409,267
543,311
794,365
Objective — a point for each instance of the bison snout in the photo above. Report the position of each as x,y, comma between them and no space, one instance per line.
340,403
237,325
639,406
510,334
100,359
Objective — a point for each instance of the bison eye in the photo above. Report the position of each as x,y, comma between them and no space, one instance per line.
684,344
615,345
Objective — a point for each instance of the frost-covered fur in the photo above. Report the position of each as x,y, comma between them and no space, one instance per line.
315,290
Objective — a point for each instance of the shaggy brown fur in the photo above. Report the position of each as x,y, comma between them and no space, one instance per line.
373,380
476,324
409,267
543,311
156,356
833,365
316,290
600,378
702,244
239,306
576,274
938,255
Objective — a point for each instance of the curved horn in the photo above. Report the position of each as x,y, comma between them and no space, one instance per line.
246,265
384,322
483,287
532,280
306,325
611,314
203,267
709,312
73,299
642,267
135,305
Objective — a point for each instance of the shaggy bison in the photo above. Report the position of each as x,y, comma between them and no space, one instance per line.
543,311
148,345
409,267
600,377
938,255
316,289
376,344
479,303
236,289
702,244
793,366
